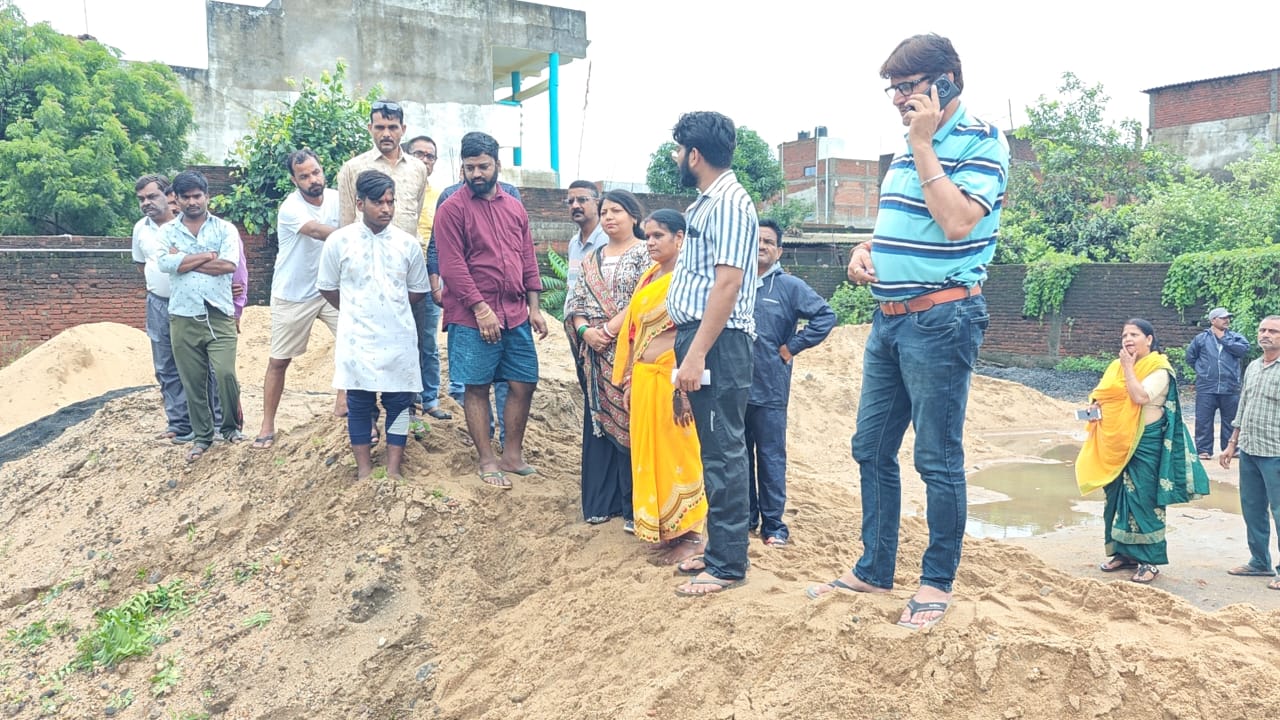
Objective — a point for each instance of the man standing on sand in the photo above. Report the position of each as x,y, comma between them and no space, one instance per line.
782,301
305,220
386,126
710,302
1215,355
1256,439
426,314
491,308
204,252
935,235
372,272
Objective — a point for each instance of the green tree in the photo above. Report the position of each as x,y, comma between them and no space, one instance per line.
324,118
77,126
790,214
753,162
1078,196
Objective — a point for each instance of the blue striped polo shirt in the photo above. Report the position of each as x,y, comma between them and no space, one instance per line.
722,230
909,250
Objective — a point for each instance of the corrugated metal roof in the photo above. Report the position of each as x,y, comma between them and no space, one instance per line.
1212,79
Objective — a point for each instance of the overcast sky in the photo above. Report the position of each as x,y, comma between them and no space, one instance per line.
790,66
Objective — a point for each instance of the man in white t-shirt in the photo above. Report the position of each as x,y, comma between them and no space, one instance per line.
306,218
374,272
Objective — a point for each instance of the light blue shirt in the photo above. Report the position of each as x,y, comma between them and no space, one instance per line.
578,251
191,290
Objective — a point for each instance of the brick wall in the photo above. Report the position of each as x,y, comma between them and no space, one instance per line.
1208,100
547,204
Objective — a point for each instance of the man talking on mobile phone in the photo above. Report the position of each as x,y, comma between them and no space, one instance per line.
935,234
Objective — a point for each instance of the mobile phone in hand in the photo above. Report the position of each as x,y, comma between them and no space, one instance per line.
1089,413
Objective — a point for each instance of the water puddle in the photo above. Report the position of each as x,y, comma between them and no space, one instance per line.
1033,498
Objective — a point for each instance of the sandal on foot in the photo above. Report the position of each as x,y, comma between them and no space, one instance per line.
815,592
1145,574
598,519
720,585
915,607
196,452
775,541
495,479
1250,571
1273,585
264,442
1117,563
683,569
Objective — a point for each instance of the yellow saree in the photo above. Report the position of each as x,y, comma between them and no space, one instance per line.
1113,439
666,460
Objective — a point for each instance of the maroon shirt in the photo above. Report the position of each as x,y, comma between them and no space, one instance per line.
486,253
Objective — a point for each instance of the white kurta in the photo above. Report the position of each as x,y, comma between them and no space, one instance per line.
377,344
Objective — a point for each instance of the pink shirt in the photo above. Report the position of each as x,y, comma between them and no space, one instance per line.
241,277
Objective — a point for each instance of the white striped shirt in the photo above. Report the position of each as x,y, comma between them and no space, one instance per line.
722,230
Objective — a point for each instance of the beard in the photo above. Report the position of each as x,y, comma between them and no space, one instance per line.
480,186
314,191
687,178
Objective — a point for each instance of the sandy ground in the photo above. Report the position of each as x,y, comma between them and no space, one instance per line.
440,597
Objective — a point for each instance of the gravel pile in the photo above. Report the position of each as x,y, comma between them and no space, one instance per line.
1069,386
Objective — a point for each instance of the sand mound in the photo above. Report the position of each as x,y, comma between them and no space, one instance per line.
440,597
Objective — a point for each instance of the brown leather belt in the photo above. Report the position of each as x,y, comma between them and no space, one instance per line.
923,302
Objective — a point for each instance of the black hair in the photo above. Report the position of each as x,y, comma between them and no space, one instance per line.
475,144
190,180
774,226
929,54
161,182
711,133
1147,329
297,157
389,109
631,204
667,218
585,185
419,138
373,184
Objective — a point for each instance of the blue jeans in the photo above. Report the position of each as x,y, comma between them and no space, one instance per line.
719,413
456,391
426,317
1207,405
1260,495
916,369
767,453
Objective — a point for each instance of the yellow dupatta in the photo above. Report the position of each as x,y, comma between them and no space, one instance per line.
1113,439
645,319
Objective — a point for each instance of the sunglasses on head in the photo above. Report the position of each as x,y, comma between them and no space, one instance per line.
385,105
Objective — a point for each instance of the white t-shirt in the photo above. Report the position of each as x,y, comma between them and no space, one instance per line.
149,244
298,255
377,344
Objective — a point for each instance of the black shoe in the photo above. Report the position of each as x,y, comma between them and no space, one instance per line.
439,414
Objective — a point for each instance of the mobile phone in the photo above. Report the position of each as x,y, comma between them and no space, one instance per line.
1089,413
947,91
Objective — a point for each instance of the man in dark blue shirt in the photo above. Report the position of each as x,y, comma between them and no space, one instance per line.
1215,355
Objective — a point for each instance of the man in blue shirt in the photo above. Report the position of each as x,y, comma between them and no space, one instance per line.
1215,355
782,301
935,234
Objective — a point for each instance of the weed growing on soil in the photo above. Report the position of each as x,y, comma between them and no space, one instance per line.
245,572
120,701
258,619
132,628
32,636
167,675
191,532
189,715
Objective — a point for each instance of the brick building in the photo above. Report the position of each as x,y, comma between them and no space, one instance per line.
1216,121
844,192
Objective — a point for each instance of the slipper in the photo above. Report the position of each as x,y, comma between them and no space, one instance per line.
495,479
720,583
915,607
1111,565
264,442
598,519
525,471
1273,585
776,542
1206,456
196,452
1250,571
234,436
167,435
812,592
1145,569
688,571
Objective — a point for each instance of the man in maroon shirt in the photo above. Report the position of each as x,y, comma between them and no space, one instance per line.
491,287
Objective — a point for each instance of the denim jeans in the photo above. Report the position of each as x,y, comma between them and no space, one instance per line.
426,317
916,369
1207,405
1260,495
457,390
767,454
719,412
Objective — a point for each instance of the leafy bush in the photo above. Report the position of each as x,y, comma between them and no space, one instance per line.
554,286
1086,363
1046,283
1243,280
852,304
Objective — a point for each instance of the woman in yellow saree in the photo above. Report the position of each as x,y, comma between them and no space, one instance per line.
1140,452
666,467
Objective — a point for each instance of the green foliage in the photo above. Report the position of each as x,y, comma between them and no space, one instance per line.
753,162
1178,359
323,118
132,628
32,636
790,214
1046,283
1244,280
554,285
77,126
258,619
120,701
1085,363
1077,198
167,675
852,304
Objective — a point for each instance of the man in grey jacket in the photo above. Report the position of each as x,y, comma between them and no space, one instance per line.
1215,355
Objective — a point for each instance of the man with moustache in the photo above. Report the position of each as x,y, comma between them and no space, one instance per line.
1256,440
935,234
426,314
711,300
373,272
583,199
492,285
386,127
306,219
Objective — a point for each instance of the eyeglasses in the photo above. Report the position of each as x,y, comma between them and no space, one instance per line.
904,88
385,105
424,155
571,201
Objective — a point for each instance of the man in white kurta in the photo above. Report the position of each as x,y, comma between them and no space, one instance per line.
373,272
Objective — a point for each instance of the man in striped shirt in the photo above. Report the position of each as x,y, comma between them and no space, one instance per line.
935,233
711,306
